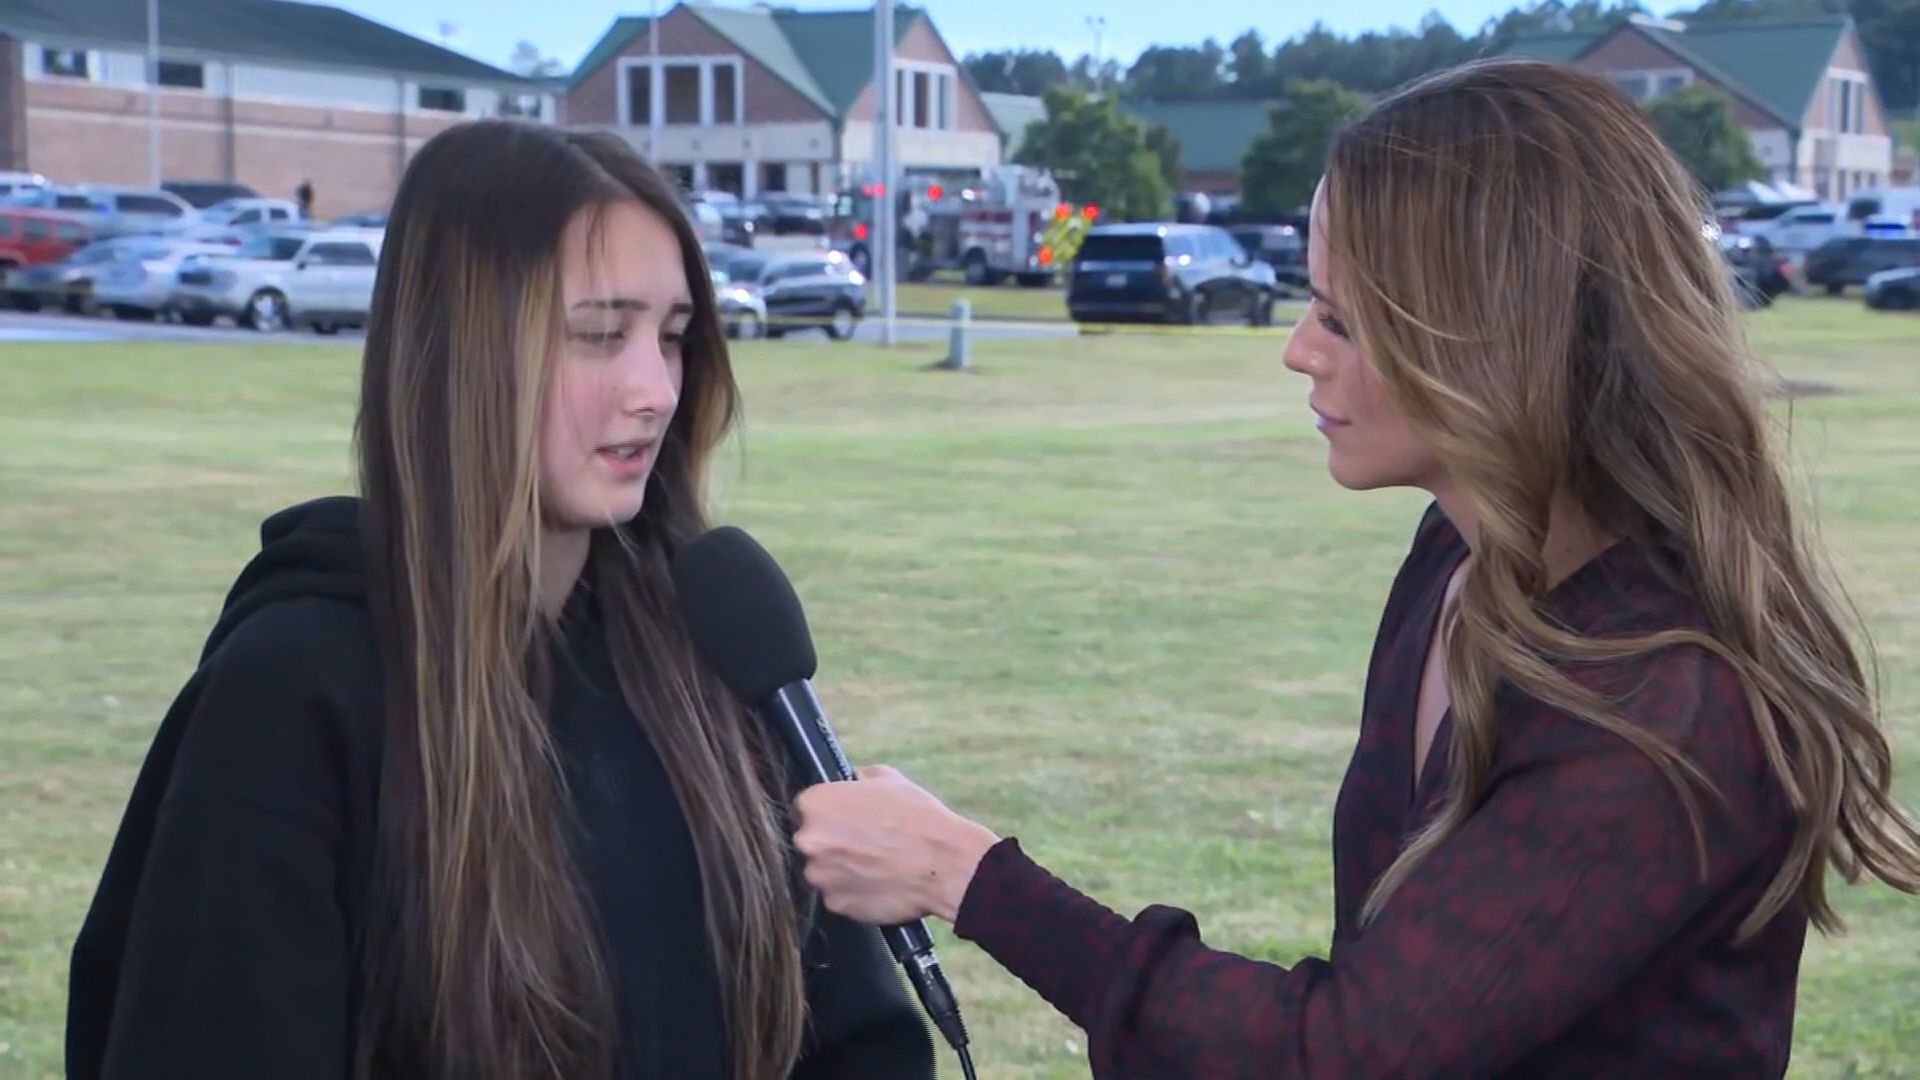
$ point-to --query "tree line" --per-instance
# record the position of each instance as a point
(1101, 154)
(1248, 68)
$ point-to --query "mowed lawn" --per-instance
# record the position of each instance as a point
(1098, 593)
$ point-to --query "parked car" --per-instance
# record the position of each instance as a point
(138, 283)
(1886, 211)
(20, 184)
(1851, 260)
(736, 227)
(365, 219)
(235, 220)
(1170, 273)
(1800, 229)
(66, 285)
(1895, 290)
(790, 213)
(114, 211)
(804, 291)
(250, 284)
(201, 194)
(36, 237)
(331, 285)
(743, 309)
(1759, 273)
(1279, 246)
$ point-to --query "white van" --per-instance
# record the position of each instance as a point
(1885, 212)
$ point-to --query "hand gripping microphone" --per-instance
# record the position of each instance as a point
(747, 623)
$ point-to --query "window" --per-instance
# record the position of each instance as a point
(924, 97)
(922, 100)
(639, 93)
(246, 217)
(443, 99)
(726, 94)
(341, 254)
(70, 231)
(272, 248)
(773, 176)
(1672, 82)
(36, 229)
(183, 75)
(74, 202)
(1634, 86)
(683, 93)
(146, 204)
(6, 226)
(66, 63)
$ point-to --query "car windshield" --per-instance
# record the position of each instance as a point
(745, 269)
(271, 248)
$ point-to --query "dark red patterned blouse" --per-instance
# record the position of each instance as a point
(1565, 930)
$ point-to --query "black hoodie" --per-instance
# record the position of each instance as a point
(220, 940)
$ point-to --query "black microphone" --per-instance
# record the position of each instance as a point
(747, 622)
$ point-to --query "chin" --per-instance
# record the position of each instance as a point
(599, 510)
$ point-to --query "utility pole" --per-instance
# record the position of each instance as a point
(886, 218)
(153, 93)
(1098, 23)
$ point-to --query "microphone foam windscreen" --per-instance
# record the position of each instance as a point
(743, 614)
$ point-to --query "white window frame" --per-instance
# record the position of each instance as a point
(710, 69)
(1838, 79)
(96, 60)
(1653, 77)
(201, 89)
(944, 114)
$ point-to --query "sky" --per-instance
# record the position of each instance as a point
(566, 29)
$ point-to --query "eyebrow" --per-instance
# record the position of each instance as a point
(631, 303)
(1320, 296)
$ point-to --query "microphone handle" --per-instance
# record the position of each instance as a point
(795, 712)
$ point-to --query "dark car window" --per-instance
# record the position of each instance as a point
(1121, 248)
(339, 254)
(272, 248)
(72, 202)
(68, 230)
(38, 229)
(6, 226)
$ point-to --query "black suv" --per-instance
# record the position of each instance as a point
(1168, 273)
(1851, 260)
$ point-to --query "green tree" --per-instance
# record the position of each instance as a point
(1283, 165)
(1016, 71)
(1098, 154)
(1698, 126)
(1166, 150)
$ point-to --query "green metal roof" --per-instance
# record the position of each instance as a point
(624, 31)
(1777, 66)
(269, 30)
(1214, 136)
(1012, 113)
(827, 56)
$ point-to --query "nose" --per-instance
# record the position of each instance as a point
(1303, 354)
(650, 378)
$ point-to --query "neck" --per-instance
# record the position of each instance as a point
(563, 555)
(1573, 537)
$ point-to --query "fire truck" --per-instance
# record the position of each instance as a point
(1011, 222)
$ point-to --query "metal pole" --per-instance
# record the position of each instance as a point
(656, 87)
(153, 93)
(887, 216)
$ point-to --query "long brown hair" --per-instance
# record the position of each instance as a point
(1526, 264)
(484, 958)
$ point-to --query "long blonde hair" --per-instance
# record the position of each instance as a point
(1524, 261)
(485, 959)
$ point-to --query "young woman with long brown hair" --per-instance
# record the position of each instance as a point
(450, 794)
(1614, 736)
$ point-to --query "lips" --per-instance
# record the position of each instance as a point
(1326, 419)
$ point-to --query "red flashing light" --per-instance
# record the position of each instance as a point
(1092, 213)
(860, 231)
(1062, 212)
(1046, 256)
(936, 192)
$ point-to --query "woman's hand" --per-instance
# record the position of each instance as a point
(883, 851)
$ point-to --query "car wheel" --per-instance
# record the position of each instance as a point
(1199, 311)
(843, 323)
(976, 268)
(326, 328)
(266, 312)
(1261, 314)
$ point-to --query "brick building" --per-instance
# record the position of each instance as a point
(756, 99)
(262, 92)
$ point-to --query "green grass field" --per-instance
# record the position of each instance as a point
(1099, 593)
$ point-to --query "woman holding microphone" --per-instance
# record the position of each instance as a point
(1614, 736)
